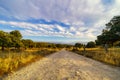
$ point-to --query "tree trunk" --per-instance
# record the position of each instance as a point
(84, 49)
(3, 48)
(106, 48)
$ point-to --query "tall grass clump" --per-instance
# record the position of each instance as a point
(111, 57)
(11, 61)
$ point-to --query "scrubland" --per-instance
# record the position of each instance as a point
(111, 57)
(11, 61)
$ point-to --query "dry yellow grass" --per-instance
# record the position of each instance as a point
(11, 61)
(111, 57)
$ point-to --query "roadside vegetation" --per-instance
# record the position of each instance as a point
(112, 57)
(16, 52)
(13, 60)
(107, 46)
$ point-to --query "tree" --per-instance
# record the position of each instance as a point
(16, 34)
(28, 43)
(115, 21)
(5, 39)
(51, 45)
(98, 42)
(16, 38)
(112, 32)
(108, 38)
(90, 44)
(60, 45)
(69, 46)
(114, 28)
(78, 45)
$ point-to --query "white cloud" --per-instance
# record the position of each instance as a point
(38, 29)
(30, 29)
(60, 28)
(56, 10)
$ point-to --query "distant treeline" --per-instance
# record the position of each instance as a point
(13, 40)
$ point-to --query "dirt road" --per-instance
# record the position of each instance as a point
(66, 65)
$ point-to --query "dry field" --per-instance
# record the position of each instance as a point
(13, 60)
(111, 57)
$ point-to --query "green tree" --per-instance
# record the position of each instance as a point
(5, 39)
(16, 37)
(16, 34)
(60, 45)
(112, 32)
(114, 25)
(91, 44)
(28, 43)
(51, 45)
(113, 28)
(78, 45)
(97, 42)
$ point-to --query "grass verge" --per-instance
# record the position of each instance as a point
(112, 57)
(12, 61)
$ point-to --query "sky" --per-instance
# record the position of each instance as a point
(60, 21)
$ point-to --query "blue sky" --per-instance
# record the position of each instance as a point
(63, 21)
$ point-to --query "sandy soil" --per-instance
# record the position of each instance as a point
(65, 65)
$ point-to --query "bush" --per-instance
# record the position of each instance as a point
(90, 45)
